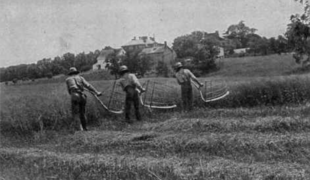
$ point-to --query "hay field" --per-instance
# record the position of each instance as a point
(261, 131)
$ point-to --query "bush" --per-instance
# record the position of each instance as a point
(14, 81)
(49, 75)
(86, 68)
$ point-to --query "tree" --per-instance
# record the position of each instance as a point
(144, 64)
(282, 45)
(45, 67)
(239, 32)
(258, 45)
(113, 64)
(298, 34)
(33, 71)
(185, 46)
(205, 55)
(202, 49)
(137, 63)
(273, 45)
(162, 69)
(68, 60)
(254, 42)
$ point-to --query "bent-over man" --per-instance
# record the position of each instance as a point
(75, 85)
(184, 77)
(130, 84)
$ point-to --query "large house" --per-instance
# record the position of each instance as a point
(102, 59)
(159, 53)
(144, 46)
(221, 53)
(148, 47)
(138, 44)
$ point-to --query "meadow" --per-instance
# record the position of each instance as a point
(260, 131)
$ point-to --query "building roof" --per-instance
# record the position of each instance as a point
(153, 50)
(141, 41)
(120, 52)
(104, 54)
(215, 35)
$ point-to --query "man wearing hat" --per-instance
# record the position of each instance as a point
(76, 84)
(184, 78)
(131, 85)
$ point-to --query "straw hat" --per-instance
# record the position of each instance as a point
(123, 68)
(73, 70)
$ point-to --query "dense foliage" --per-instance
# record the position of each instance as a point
(241, 36)
(198, 47)
(134, 61)
(298, 33)
(49, 67)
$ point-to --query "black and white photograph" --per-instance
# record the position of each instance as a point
(155, 90)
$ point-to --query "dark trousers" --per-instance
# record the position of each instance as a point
(78, 104)
(132, 97)
(187, 96)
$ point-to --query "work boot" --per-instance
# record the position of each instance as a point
(138, 116)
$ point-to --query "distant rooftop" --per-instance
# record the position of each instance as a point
(152, 50)
(108, 51)
(141, 41)
(104, 54)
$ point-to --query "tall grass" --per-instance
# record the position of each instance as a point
(267, 92)
(47, 106)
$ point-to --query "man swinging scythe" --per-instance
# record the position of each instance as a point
(75, 85)
(184, 78)
(130, 84)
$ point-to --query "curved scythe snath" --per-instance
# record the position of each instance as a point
(215, 95)
(107, 107)
(158, 106)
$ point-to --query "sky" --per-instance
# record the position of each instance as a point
(31, 30)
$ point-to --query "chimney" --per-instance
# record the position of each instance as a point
(134, 38)
(217, 33)
(165, 44)
(144, 38)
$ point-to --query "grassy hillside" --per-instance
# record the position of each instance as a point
(258, 66)
(260, 131)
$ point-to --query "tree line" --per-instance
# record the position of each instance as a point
(47, 68)
(241, 36)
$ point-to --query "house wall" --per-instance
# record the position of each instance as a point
(101, 64)
(242, 50)
(167, 56)
(221, 53)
